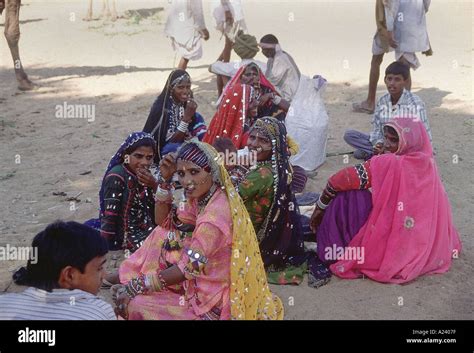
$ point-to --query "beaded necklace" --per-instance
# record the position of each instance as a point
(203, 202)
(176, 114)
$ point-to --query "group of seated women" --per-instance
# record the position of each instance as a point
(211, 253)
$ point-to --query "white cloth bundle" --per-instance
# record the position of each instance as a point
(307, 123)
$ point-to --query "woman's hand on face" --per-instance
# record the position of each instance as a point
(191, 107)
(316, 219)
(168, 166)
(146, 178)
(378, 148)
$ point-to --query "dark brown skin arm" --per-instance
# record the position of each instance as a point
(284, 105)
(189, 112)
(318, 214)
(177, 137)
(167, 169)
(172, 275)
(162, 210)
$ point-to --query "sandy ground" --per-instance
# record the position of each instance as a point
(119, 68)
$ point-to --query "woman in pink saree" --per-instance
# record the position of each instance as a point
(202, 261)
(409, 231)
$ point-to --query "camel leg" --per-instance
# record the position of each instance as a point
(89, 12)
(12, 34)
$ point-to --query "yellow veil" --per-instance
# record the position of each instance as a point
(250, 296)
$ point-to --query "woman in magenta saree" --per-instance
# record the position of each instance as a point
(409, 231)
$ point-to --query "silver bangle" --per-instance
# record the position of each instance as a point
(183, 127)
(321, 205)
(163, 195)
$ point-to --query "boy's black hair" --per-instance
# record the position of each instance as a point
(398, 68)
(61, 244)
(269, 39)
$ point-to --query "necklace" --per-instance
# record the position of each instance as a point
(176, 114)
(259, 164)
(203, 202)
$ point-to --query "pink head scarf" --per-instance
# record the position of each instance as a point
(410, 231)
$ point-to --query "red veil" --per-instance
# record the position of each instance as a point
(232, 113)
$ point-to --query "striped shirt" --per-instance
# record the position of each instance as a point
(408, 105)
(60, 304)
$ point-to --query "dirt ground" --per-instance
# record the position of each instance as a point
(119, 68)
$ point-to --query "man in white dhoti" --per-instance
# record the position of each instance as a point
(282, 70)
(401, 26)
(185, 27)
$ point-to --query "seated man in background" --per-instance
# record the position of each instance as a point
(282, 70)
(398, 102)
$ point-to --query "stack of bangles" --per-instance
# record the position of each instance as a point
(328, 194)
(183, 126)
(163, 193)
(144, 284)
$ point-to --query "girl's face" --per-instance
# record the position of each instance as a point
(260, 144)
(390, 143)
(141, 158)
(250, 76)
(195, 180)
(182, 92)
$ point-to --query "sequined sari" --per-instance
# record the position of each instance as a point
(220, 259)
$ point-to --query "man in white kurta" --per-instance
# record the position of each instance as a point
(282, 70)
(407, 20)
(401, 26)
(185, 27)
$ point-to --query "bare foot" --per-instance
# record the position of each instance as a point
(363, 107)
(26, 85)
(113, 17)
